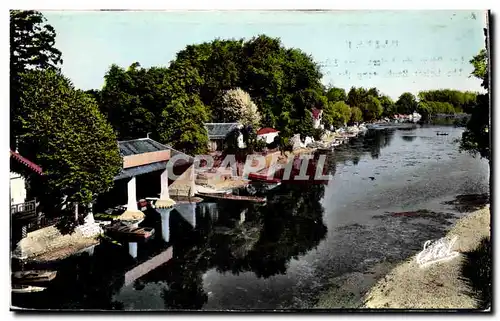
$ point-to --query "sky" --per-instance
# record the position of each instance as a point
(395, 51)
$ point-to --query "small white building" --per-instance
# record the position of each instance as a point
(267, 134)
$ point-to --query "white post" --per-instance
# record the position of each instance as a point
(165, 201)
(132, 197)
(164, 195)
(132, 213)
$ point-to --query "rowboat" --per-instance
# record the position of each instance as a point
(27, 289)
(231, 197)
(129, 233)
(33, 277)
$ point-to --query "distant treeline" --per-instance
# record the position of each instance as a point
(284, 83)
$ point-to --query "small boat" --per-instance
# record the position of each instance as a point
(231, 197)
(129, 233)
(33, 277)
(442, 134)
(27, 289)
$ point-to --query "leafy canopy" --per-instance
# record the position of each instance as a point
(67, 135)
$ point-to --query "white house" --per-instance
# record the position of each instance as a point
(17, 181)
(267, 134)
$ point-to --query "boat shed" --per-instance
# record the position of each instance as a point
(144, 155)
(218, 132)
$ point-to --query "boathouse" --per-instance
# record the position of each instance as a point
(219, 132)
(145, 175)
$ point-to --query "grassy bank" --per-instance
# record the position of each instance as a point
(462, 282)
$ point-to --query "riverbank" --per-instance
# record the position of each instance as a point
(48, 244)
(406, 285)
(440, 285)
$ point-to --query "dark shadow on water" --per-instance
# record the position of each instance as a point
(469, 202)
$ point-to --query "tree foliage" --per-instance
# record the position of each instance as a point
(460, 101)
(356, 115)
(476, 137)
(67, 135)
(336, 114)
(236, 105)
(31, 47)
(334, 94)
(406, 103)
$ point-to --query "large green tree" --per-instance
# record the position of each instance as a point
(476, 137)
(133, 99)
(31, 47)
(66, 134)
(356, 115)
(406, 104)
(336, 114)
(335, 94)
(388, 106)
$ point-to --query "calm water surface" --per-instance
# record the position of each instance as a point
(284, 254)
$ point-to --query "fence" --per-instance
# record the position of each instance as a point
(26, 207)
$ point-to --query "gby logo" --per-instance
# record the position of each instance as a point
(436, 251)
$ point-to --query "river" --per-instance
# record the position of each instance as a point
(307, 240)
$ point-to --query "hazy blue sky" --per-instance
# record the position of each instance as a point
(395, 51)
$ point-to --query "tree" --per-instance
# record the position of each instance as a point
(31, 47)
(476, 137)
(356, 96)
(337, 114)
(236, 105)
(388, 106)
(67, 135)
(133, 100)
(336, 94)
(356, 115)
(371, 108)
(182, 125)
(406, 104)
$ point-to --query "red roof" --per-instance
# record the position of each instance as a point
(267, 130)
(316, 112)
(34, 167)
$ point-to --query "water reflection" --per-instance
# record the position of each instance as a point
(132, 249)
(371, 143)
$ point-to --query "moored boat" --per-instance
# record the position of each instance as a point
(231, 197)
(33, 277)
(129, 233)
(27, 289)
